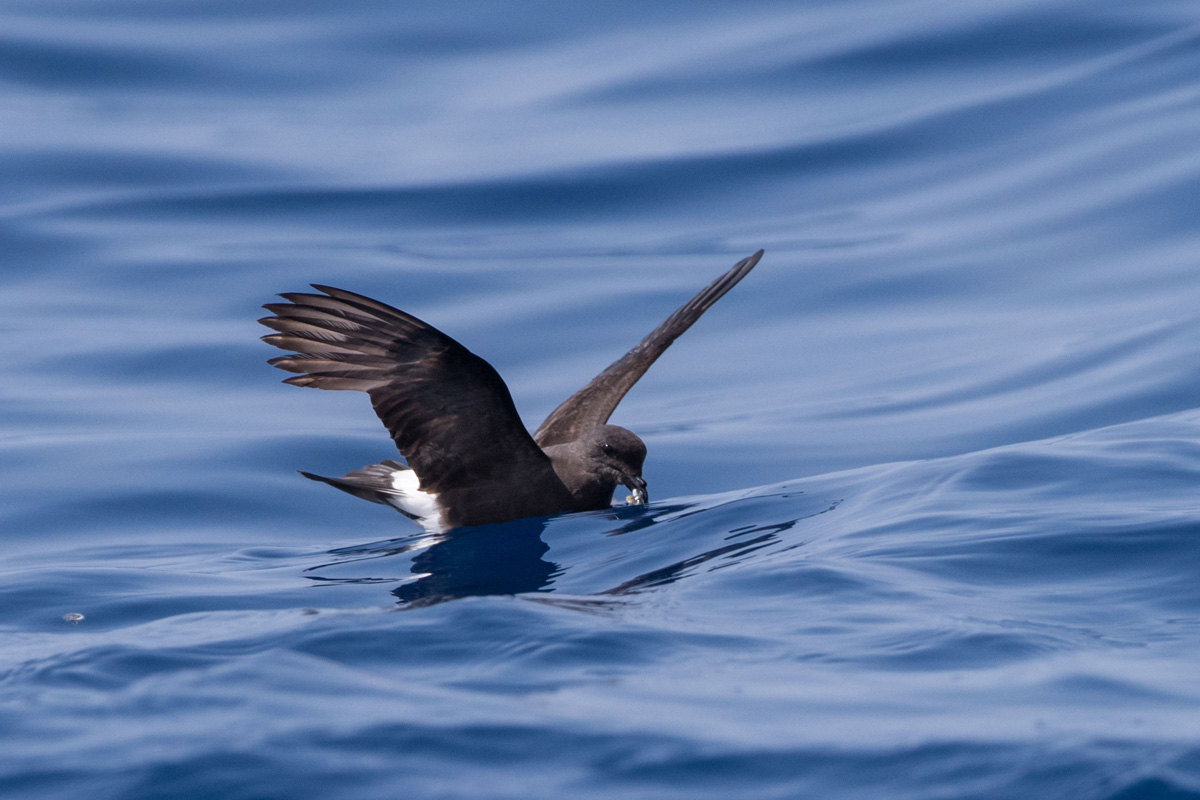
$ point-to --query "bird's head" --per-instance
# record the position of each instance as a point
(618, 454)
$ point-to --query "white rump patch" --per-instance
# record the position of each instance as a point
(409, 498)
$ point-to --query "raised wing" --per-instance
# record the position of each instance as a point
(593, 404)
(447, 409)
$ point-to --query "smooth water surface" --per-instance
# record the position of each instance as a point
(926, 485)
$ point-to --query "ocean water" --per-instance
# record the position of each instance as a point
(925, 516)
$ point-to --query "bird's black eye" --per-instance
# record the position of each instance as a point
(606, 448)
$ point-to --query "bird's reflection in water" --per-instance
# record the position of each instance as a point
(483, 560)
(502, 559)
(509, 559)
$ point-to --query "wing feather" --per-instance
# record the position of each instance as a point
(447, 409)
(593, 404)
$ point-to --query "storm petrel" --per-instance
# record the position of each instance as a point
(470, 459)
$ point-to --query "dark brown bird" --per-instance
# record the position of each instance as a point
(470, 459)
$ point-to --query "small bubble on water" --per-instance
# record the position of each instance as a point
(74, 617)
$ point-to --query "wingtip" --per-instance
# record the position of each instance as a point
(741, 268)
(730, 279)
(343, 294)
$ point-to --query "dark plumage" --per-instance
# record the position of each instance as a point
(470, 459)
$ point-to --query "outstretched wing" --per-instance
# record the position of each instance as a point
(446, 408)
(593, 404)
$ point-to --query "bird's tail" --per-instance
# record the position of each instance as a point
(373, 482)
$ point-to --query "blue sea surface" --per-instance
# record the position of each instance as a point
(925, 516)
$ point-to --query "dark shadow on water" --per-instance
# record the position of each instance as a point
(509, 558)
(484, 560)
(501, 559)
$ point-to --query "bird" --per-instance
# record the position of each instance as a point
(470, 459)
